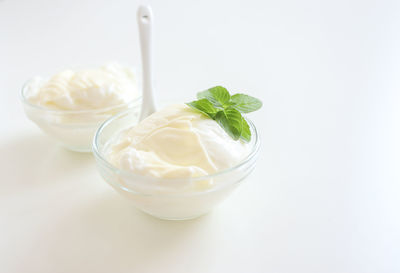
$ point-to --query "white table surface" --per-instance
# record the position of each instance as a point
(325, 196)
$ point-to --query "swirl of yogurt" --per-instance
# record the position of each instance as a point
(87, 89)
(176, 142)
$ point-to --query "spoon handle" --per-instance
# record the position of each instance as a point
(145, 22)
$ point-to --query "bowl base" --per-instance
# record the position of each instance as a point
(176, 218)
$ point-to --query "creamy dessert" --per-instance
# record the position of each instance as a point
(86, 89)
(176, 142)
(183, 160)
(72, 104)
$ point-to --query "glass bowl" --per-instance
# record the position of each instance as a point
(72, 129)
(169, 199)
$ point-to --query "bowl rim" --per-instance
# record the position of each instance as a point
(105, 163)
(25, 100)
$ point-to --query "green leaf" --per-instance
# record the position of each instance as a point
(246, 134)
(217, 95)
(230, 120)
(244, 103)
(220, 106)
(204, 106)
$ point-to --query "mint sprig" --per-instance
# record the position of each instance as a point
(231, 120)
(217, 95)
(219, 105)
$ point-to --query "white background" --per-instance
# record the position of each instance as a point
(325, 196)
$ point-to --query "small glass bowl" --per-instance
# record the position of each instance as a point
(72, 129)
(170, 199)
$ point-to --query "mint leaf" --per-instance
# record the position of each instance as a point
(230, 120)
(204, 106)
(217, 95)
(245, 103)
(225, 109)
(246, 134)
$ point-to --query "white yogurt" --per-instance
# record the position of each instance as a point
(176, 142)
(87, 89)
(71, 105)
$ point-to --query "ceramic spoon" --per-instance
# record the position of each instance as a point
(145, 21)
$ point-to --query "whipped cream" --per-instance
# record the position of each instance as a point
(176, 142)
(98, 88)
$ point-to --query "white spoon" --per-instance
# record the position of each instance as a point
(145, 21)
